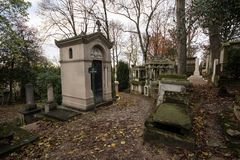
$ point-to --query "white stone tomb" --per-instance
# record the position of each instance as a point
(77, 55)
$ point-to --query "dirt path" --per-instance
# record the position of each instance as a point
(114, 132)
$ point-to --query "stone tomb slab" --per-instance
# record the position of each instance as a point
(19, 137)
(170, 124)
(172, 114)
(61, 114)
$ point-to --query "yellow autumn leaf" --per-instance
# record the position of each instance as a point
(113, 145)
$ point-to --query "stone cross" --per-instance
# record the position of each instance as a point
(196, 71)
(98, 25)
(50, 93)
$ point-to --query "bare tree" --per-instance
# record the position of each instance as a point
(132, 49)
(99, 12)
(116, 33)
(181, 36)
(141, 14)
(192, 28)
(65, 17)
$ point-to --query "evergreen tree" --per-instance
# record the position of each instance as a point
(123, 75)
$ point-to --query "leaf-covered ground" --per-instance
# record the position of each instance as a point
(116, 132)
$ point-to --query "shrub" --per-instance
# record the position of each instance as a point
(123, 75)
(50, 74)
(233, 62)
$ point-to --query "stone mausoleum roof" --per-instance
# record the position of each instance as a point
(84, 38)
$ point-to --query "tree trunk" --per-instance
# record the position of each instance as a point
(106, 19)
(181, 36)
(215, 44)
(114, 64)
(189, 43)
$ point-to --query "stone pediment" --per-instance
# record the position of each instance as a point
(82, 38)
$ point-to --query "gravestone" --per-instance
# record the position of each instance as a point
(196, 71)
(50, 105)
(116, 88)
(170, 85)
(77, 55)
(214, 76)
(171, 123)
(30, 104)
(27, 115)
(196, 78)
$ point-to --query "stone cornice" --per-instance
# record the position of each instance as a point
(83, 39)
(79, 60)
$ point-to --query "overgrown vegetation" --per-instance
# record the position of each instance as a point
(44, 76)
(233, 62)
(21, 59)
(123, 75)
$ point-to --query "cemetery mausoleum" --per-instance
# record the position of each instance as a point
(85, 70)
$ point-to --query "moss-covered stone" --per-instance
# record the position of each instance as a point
(176, 97)
(20, 138)
(175, 81)
(173, 76)
(237, 99)
(231, 129)
(142, 83)
(172, 114)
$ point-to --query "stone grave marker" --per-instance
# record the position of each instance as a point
(50, 105)
(27, 115)
(214, 76)
(196, 78)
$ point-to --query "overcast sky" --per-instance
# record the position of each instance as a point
(50, 50)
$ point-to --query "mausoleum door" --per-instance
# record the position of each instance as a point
(97, 64)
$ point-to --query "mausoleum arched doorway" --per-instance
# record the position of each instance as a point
(97, 56)
(97, 64)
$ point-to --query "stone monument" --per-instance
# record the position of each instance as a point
(196, 78)
(50, 105)
(78, 55)
(27, 115)
(30, 104)
(214, 76)
(116, 88)
(196, 71)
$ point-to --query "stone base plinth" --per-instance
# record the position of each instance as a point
(197, 80)
(28, 116)
(50, 106)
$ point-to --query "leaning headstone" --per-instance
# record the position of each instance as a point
(50, 105)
